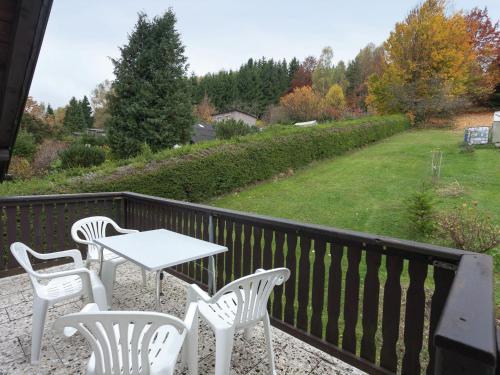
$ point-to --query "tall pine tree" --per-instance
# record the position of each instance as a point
(87, 112)
(151, 101)
(74, 119)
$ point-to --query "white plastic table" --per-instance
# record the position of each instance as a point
(157, 249)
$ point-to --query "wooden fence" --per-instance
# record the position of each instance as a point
(374, 302)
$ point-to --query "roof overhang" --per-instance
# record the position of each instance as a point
(22, 27)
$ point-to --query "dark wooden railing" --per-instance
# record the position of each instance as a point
(377, 303)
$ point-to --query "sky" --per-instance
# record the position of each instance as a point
(82, 36)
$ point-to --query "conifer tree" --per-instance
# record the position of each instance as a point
(87, 112)
(151, 100)
(74, 119)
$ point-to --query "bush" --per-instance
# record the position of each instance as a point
(47, 153)
(204, 171)
(469, 229)
(91, 139)
(25, 146)
(79, 155)
(228, 129)
(20, 168)
(421, 213)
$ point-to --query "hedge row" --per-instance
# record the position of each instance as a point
(228, 166)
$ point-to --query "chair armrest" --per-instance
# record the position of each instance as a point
(75, 254)
(195, 293)
(76, 271)
(123, 230)
(191, 315)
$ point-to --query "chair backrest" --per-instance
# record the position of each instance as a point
(121, 340)
(252, 293)
(84, 231)
(20, 252)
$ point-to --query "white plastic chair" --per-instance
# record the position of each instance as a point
(239, 305)
(61, 285)
(132, 342)
(92, 228)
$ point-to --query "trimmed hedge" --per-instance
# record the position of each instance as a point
(80, 155)
(227, 166)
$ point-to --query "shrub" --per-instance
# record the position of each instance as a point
(228, 129)
(469, 229)
(421, 213)
(79, 155)
(47, 152)
(202, 171)
(25, 146)
(91, 139)
(20, 168)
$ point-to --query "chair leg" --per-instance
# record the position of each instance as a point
(99, 296)
(190, 349)
(40, 308)
(224, 340)
(247, 334)
(269, 342)
(144, 278)
(108, 279)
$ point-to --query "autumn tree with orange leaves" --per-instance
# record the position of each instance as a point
(429, 60)
(485, 41)
(303, 104)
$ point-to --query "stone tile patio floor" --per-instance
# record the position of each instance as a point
(61, 355)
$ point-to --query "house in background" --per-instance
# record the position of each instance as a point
(202, 132)
(237, 115)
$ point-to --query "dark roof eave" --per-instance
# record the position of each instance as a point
(28, 31)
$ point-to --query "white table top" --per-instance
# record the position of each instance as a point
(159, 248)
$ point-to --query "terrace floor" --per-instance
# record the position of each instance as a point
(61, 355)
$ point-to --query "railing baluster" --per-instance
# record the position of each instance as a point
(11, 232)
(25, 225)
(414, 317)
(257, 249)
(220, 232)
(351, 301)
(391, 313)
(205, 261)
(318, 288)
(291, 263)
(4, 248)
(237, 252)
(228, 255)
(267, 254)
(247, 249)
(303, 286)
(371, 292)
(49, 226)
(279, 261)
(334, 293)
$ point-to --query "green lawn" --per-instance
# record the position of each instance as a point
(365, 190)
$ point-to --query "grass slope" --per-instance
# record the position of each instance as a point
(365, 190)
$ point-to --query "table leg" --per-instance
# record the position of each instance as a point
(159, 278)
(212, 277)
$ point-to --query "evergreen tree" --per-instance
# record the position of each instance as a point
(293, 67)
(151, 101)
(87, 112)
(74, 119)
(49, 111)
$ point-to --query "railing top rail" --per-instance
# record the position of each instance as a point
(56, 197)
(434, 251)
(467, 324)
